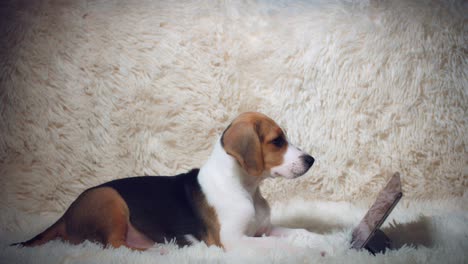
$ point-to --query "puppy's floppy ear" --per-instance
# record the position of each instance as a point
(242, 141)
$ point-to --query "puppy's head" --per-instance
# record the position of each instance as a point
(260, 146)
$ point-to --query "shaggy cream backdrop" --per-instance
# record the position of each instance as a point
(96, 90)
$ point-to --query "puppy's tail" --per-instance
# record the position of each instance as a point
(54, 231)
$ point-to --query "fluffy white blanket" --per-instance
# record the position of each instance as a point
(422, 232)
(96, 90)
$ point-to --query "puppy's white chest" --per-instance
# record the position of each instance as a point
(239, 206)
(248, 220)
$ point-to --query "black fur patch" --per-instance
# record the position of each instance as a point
(162, 207)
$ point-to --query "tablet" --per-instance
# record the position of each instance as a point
(367, 234)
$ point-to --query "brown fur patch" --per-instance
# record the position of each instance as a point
(249, 139)
(242, 142)
(210, 218)
(98, 214)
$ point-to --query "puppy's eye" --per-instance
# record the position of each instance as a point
(278, 142)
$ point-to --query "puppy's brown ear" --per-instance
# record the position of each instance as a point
(241, 141)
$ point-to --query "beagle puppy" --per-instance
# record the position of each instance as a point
(219, 204)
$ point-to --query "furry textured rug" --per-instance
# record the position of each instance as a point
(423, 232)
(96, 90)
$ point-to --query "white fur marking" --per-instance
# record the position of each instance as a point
(293, 166)
(235, 196)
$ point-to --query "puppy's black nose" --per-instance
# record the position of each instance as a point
(309, 160)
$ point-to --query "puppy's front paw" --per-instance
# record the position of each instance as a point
(159, 250)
